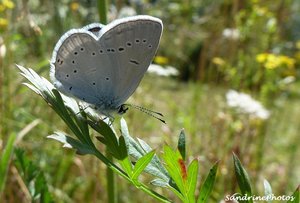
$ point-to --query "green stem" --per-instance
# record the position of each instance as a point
(102, 11)
(120, 172)
(110, 179)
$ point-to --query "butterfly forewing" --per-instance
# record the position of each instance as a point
(134, 47)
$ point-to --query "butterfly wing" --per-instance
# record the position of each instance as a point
(72, 66)
(131, 43)
(103, 65)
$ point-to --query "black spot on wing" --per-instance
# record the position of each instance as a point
(135, 62)
(95, 29)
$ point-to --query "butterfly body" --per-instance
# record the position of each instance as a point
(104, 64)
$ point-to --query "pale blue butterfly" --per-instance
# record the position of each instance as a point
(104, 64)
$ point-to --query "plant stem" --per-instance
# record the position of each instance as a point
(110, 181)
(102, 11)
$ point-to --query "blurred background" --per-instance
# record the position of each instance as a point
(227, 71)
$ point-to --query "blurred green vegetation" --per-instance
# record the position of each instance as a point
(250, 46)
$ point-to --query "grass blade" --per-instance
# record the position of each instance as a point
(5, 158)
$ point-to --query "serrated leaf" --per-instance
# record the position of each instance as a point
(208, 184)
(109, 136)
(242, 178)
(181, 144)
(295, 196)
(70, 142)
(136, 150)
(144, 145)
(268, 190)
(192, 179)
(62, 104)
(174, 168)
(141, 164)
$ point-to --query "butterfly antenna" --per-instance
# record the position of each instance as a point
(151, 113)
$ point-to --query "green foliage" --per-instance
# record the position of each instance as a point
(5, 161)
(252, 62)
(208, 184)
(245, 186)
(242, 178)
(296, 196)
(33, 178)
(181, 144)
(185, 177)
(177, 177)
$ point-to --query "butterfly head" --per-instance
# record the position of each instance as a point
(122, 109)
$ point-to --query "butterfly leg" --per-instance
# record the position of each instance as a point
(81, 109)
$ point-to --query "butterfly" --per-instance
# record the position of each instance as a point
(103, 65)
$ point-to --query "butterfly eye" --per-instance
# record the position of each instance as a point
(144, 40)
(121, 49)
(75, 53)
(129, 44)
(137, 41)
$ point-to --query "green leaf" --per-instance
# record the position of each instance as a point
(109, 136)
(122, 148)
(295, 196)
(208, 184)
(139, 149)
(141, 164)
(70, 142)
(123, 157)
(181, 144)
(159, 182)
(175, 167)
(4, 160)
(268, 190)
(192, 179)
(242, 178)
(33, 178)
(60, 103)
(81, 121)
